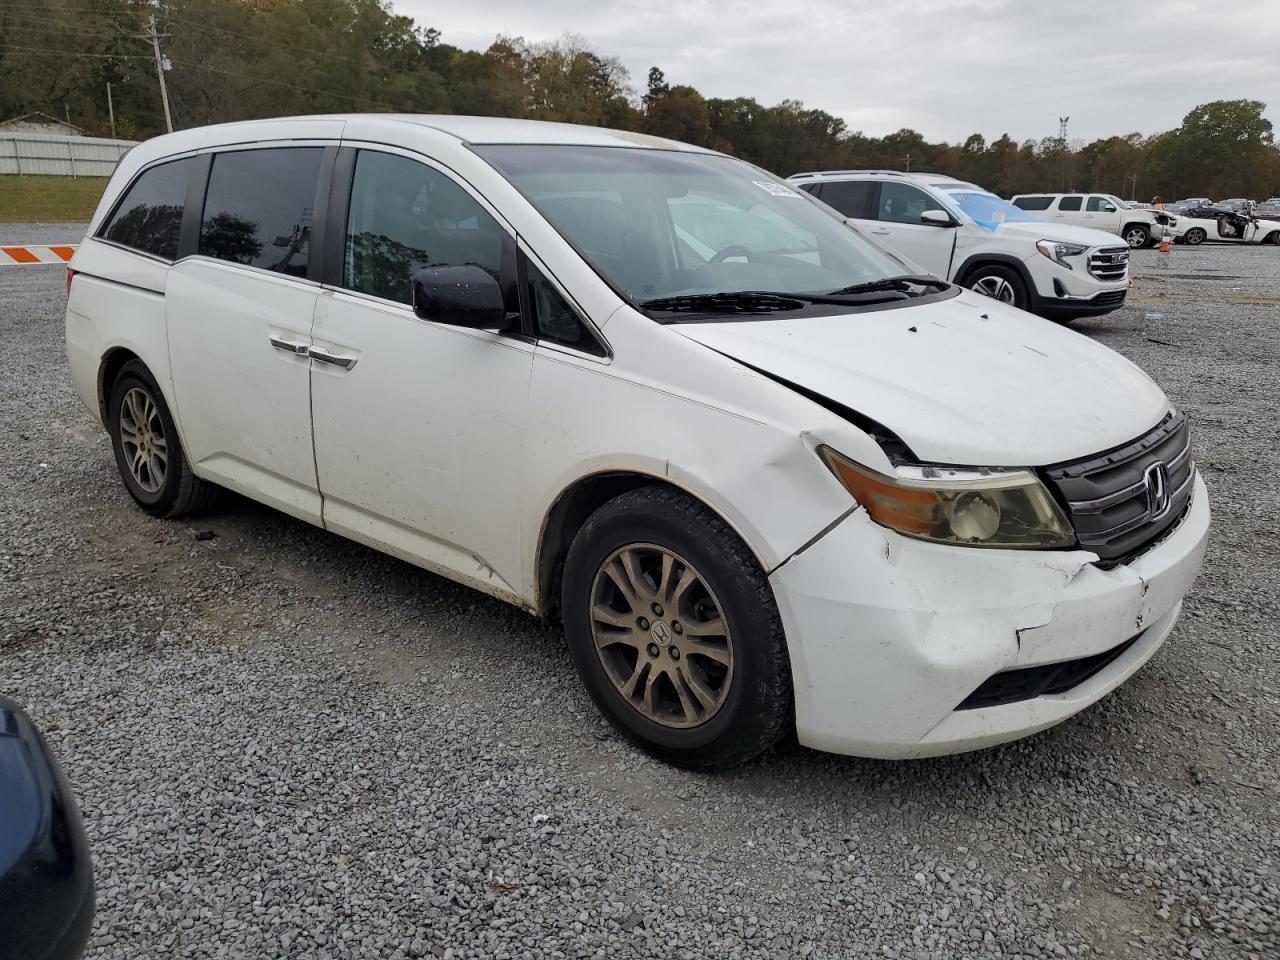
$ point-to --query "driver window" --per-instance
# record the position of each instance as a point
(406, 216)
(901, 203)
(1100, 205)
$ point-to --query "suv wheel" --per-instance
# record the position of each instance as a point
(1137, 236)
(674, 630)
(148, 453)
(999, 283)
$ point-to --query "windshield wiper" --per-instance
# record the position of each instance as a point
(739, 301)
(902, 283)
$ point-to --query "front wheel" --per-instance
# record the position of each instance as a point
(675, 632)
(1137, 236)
(1195, 236)
(999, 283)
(148, 453)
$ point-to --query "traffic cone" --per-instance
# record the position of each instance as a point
(1164, 245)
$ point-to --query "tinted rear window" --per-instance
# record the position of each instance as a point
(1033, 203)
(258, 208)
(149, 216)
(1069, 203)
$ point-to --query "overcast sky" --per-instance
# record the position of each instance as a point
(947, 68)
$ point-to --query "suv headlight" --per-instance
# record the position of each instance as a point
(1057, 251)
(964, 506)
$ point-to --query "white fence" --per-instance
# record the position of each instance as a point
(44, 153)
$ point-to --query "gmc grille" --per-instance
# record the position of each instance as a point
(1109, 263)
(1110, 495)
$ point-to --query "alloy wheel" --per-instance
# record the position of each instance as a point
(146, 450)
(661, 636)
(1136, 238)
(997, 288)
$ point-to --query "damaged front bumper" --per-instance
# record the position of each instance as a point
(889, 636)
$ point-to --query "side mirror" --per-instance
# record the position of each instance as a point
(463, 296)
(46, 880)
(937, 218)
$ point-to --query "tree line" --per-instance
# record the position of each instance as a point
(244, 59)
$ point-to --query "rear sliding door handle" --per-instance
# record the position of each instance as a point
(296, 347)
(346, 363)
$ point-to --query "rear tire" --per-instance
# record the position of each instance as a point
(674, 630)
(999, 283)
(148, 452)
(1195, 236)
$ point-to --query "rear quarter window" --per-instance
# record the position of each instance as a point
(149, 215)
(1033, 203)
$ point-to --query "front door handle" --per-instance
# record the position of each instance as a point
(346, 363)
(296, 347)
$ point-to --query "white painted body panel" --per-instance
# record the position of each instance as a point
(243, 405)
(890, 652)
(450, 447)
(975, 382)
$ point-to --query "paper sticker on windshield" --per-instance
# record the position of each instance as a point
(997, 216)
(777, 189)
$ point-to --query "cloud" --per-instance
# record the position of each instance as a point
(947, 68)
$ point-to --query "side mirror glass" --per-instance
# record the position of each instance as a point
(463, 296)
(937, 218)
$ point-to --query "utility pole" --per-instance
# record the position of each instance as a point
(908, 158)
(111, 111)
(1062, 138)
(160, 68)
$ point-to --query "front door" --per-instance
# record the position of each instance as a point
(897, 223)
(239, 317)
(419, 426)
(1101, 214)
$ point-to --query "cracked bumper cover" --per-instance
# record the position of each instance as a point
(887, 634)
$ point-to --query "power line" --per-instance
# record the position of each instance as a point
(63, 53)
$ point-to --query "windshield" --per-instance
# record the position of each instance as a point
(661, 224)
(989, 211)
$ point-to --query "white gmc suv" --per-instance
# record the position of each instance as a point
(965, 234)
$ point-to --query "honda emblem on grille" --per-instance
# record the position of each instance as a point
(1156, 481)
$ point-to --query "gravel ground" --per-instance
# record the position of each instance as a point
(287, 745)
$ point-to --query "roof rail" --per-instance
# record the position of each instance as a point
(840, 173)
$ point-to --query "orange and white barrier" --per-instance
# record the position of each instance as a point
(29, 253)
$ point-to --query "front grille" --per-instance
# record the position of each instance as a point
(1114, 498)
(1109, 263)
(1048, 679)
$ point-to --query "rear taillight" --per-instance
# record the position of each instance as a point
(71, 275)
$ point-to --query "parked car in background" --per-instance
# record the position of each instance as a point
(768, 476)
(1214, 222)
(1195, 202)
(46, 878)
(1268, 210)
(1237, 205)
(961, 232)
(1139, 227)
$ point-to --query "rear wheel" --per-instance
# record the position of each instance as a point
(1195, 236)
(1137, 236)
(674, 630)
(999, 283)
(148, 453)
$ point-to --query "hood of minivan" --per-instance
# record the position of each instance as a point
(1062, 232)
(964, 380)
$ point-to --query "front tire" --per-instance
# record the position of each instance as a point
(674, 630)
(1195, 236)
(148, 452)
(1136, 236)
(999, 283)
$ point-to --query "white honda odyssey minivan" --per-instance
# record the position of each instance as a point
(768, 478)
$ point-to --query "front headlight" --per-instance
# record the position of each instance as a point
(974, 507)
(1058, 252)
